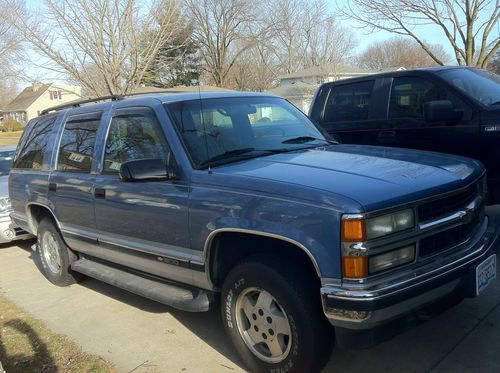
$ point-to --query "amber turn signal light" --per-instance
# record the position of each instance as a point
(355, 266)
(353, 230)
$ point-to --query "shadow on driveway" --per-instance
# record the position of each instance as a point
(40, 361)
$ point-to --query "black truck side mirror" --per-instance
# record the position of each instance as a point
(440, 111)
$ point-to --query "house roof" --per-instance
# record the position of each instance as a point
(295, 89)
(26, 98)
(328, 69)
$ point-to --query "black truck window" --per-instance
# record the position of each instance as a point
(33, 145)
(349, 102)
(77, 143)
(408, 95)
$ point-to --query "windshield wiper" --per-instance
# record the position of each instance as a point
(228, 154)
(303, 139)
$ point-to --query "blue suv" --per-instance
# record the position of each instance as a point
(238, 198)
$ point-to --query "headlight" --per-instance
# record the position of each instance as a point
(391, 259)
(5, 205)
(390, 223)
(355, 228)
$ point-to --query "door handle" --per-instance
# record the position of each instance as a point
(387, 135)
(100, 193)
(52, 187)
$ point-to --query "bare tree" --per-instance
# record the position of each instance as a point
(469, 26)
(256, 70)
(224, 29)
(305, 33)
(98, 43)
(398, 52)
(495, 63)
(10, 45)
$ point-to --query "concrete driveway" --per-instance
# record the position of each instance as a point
(143, 336)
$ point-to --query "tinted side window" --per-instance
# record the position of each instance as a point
(134, 134)
(349, 102)
(408, 95)
(33, 145)
(77, 142)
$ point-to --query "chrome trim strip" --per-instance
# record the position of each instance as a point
(212, 234)
(457, 216)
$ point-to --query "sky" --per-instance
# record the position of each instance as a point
(365, 38)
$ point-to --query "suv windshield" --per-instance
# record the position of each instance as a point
(481, 85)
(226, 129)
(6, 158)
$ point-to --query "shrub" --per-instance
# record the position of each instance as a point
(9, 125)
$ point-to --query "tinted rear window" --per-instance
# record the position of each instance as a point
(349, 102)
(33, 145)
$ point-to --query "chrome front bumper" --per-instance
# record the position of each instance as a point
(367, 305)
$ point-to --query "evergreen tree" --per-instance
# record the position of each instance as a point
(177, 62)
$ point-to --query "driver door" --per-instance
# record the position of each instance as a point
(142, 224)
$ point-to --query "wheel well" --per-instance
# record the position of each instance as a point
(228, 249)
(36, 213)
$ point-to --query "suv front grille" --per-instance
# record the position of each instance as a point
(447, 239)
(447, 205)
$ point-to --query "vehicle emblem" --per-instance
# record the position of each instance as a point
(491, 128)
(467, 215)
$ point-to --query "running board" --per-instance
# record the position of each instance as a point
(171, 295)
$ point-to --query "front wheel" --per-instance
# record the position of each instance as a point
(273, 317)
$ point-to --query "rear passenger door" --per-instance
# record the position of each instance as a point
(353, 112)
(406, 116)
(142, 224)
(71, 183)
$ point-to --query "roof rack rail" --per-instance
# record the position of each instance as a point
(98, 99)
(82, 102)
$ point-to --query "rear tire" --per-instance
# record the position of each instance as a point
(55, 257)
(274, 318)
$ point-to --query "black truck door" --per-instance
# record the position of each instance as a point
(354, 111)
(407, 117)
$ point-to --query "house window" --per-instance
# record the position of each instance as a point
(55, 95)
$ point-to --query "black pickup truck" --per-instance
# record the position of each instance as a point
(447, 109)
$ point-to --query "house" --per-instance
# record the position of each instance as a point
(299, 87)
(37, 97)
(298, 93)
(329, 73)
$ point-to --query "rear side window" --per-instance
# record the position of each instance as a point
(33, 145)
(134, 134)
(77, 142)
(349, 102)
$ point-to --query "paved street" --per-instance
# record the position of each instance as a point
(143, 336)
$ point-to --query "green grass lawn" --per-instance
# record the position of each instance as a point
(27, 345)
(10, 138)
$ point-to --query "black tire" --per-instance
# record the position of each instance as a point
(62, 276)
(295, 297)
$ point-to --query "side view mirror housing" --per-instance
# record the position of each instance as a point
(146, 170)
(440, 111)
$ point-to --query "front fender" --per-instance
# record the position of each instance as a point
(314, 229)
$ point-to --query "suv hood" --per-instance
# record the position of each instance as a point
(374, 177)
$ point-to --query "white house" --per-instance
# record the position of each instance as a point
(36, 98)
